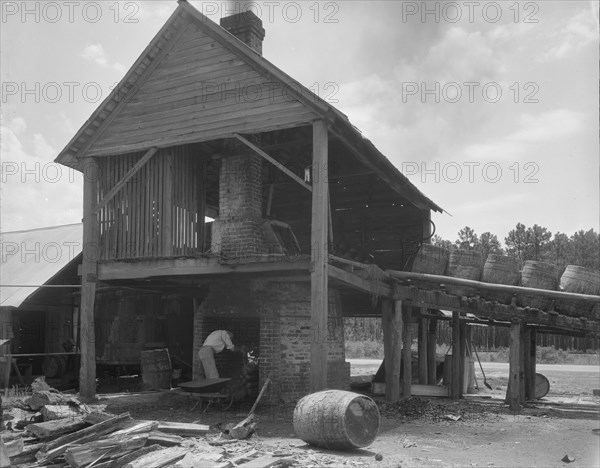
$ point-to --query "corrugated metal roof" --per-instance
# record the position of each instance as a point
(35, 257)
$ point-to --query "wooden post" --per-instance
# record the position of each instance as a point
(431, 352)
(392, 346)
(463, 354)
(456, 376)
(513, 393)
(319, 258)
(465, 341)
(89, 270)
(523, 352)
(167, 228)
(530, 357)
(406, 353)
(423, 330)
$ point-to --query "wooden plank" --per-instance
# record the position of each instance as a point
(264, 462)
(91, 243)
(406, 352)
(57, 447)
(119, 185)
(183, 429)
(455, 388)
(513, 394)
(319, 261)
(423, 361)
(273, 161)
(431, 352)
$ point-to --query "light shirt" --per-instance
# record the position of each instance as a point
(218, 340)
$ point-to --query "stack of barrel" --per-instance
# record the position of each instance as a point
(502, 269)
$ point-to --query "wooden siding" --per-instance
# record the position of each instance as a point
(200, 91)
(157, 213)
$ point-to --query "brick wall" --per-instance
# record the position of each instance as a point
(283, 310)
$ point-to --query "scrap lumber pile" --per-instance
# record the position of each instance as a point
(53, 429)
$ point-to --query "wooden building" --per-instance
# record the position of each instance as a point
(201, 126)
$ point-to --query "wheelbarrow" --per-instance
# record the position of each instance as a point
(213, 391)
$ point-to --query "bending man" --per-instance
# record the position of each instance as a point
(216, 342)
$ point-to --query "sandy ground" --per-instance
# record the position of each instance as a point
(487, 435)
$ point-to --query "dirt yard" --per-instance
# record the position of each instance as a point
(414, 433)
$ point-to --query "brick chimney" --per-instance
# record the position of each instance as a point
(237, 232)
(247, 27)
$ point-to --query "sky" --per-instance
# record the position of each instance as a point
(489, 108)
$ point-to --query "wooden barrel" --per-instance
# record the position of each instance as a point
(466, 264)
(542, 386)
(431, 259)
(500, 269)
(156, 369)
(336, 420)
(577, 279)
(54, 366)
(539, 275)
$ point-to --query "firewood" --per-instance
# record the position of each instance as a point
(167, 440)
(158, 459)
(266, 462)
(46, 397)
(137, 427)
(236, 460)
(13, 447)
(54, 428)
(127, 458)
(106, 448)
(27, 455)
(183, 429)
(57, 447)
(52, 412)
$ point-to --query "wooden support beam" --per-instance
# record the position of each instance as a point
(319, 260)
(358, 282)
(126, 178)
(91, 252)
(466, 343)
(439, 279)
(523, 351)
(431, 351)
(392, 346)
(167, 205)
(463, 354)
(423, 358)
(406, 352)
(498, 312)
(456, 384)
(513, 395)
(280, 166)
(530, 358)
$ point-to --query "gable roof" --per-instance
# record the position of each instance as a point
(35, 257)
(96, 137)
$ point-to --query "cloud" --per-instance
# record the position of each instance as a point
(97, 54)
(580, 30)
(533, 132)
(34, 190)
